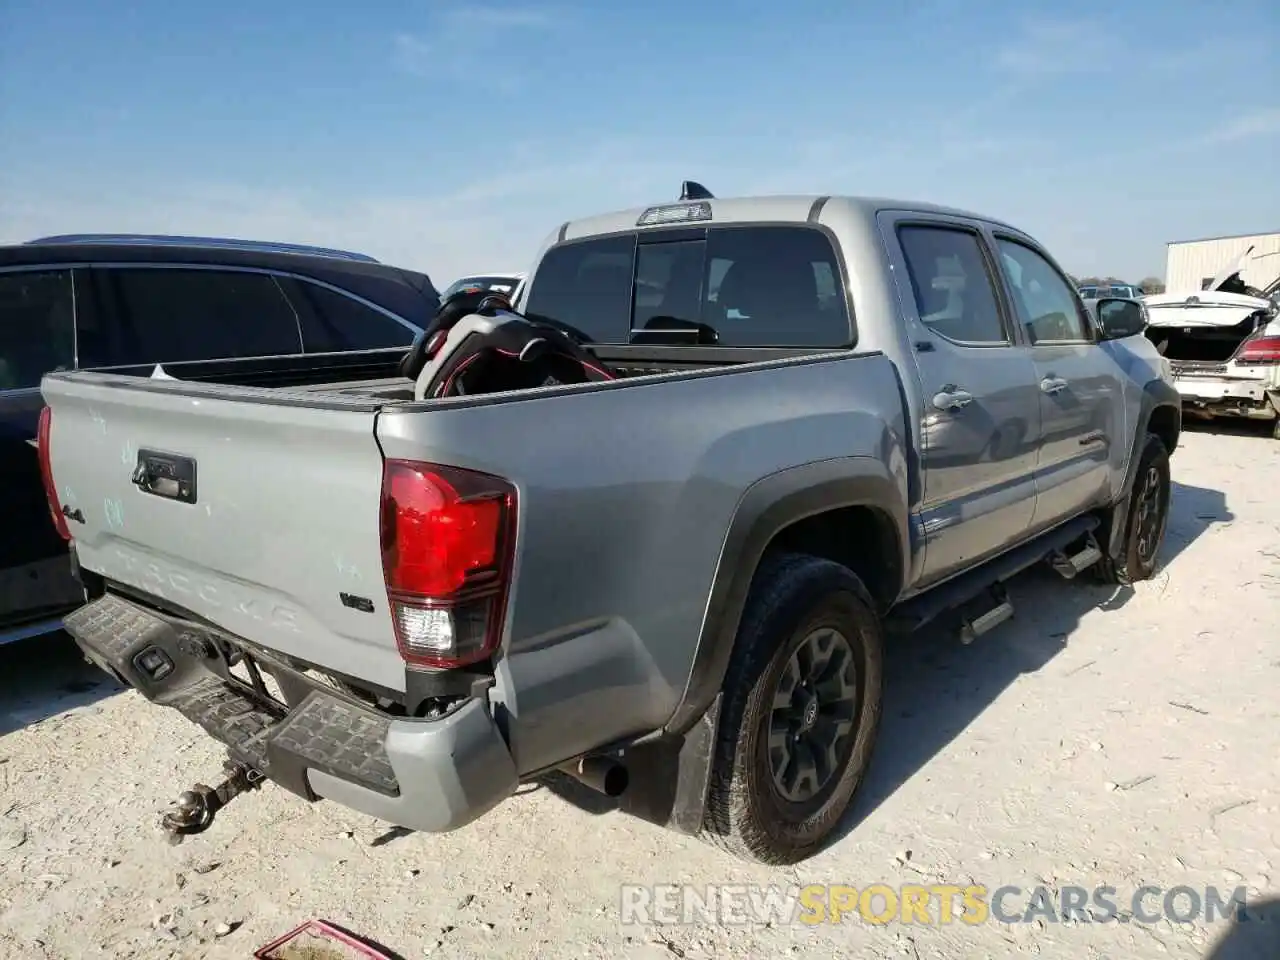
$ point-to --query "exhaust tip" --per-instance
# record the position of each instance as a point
(602, 774)
(616, 780)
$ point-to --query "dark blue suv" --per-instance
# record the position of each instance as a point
(129, 302)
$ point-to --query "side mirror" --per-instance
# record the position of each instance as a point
(1119, 318)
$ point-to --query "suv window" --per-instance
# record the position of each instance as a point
(1044, 302)
(587, 286)
(37, 326)
(951, 284)
(169, 315)
(338, 322)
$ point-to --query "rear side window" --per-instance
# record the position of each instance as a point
(587, 286)
(338, 322)
(951, 284)
(754, 286)
(172, 315)
(37, 326)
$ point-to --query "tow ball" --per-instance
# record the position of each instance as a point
(195, 809)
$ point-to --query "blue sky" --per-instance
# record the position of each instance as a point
(453, 136)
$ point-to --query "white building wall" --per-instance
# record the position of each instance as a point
(1191, 262)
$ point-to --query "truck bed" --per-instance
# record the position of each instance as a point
(283, 521)
(299, 370)
(374, 374)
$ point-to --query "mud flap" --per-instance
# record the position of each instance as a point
(669, 777)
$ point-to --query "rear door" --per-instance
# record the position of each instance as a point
(1079, 388)
(155, 313)
(981, 423)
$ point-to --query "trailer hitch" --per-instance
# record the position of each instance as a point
(195, 808)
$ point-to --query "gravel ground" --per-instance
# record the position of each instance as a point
(1102, 737)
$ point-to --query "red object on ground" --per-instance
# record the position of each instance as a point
(331, 941)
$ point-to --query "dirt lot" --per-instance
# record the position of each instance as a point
(1101, 738)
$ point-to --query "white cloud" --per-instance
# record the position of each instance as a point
(462, 19)
(1050, 47)
(961, 149)
(442, 237)
(447, 46)
(1247, 126)
(495, 221)
(411, 54)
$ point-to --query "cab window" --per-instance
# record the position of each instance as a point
(1045, 304)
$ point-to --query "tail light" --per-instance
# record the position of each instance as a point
(1260, 350)
(43, 433)
(448, 536)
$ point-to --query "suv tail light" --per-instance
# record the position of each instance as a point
(448, 537)
(43, 433)
(1260, 350)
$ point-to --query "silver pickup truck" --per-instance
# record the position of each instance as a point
(834, 418)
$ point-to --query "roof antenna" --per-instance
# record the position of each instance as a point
(693, 190)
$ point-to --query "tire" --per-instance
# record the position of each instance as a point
(1144, 532)
(798, 606)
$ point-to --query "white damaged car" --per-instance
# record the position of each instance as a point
(1223, 345)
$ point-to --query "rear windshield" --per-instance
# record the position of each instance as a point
(748, 286)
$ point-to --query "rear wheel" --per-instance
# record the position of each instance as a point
(1147, 520)
(801, 708)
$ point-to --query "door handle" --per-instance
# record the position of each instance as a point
(952, 398)
(1053, 385)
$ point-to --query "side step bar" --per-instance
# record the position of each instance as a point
(972, 629)
(1071, 566)
(916, 612)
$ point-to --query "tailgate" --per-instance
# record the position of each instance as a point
(254, 509)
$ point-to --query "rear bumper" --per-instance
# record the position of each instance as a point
(430, 775)
(1226, 397)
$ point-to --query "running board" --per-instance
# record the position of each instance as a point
(972, 629)
(916, 612)
(1071, 566)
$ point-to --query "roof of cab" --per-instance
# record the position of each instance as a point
(799, 208)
